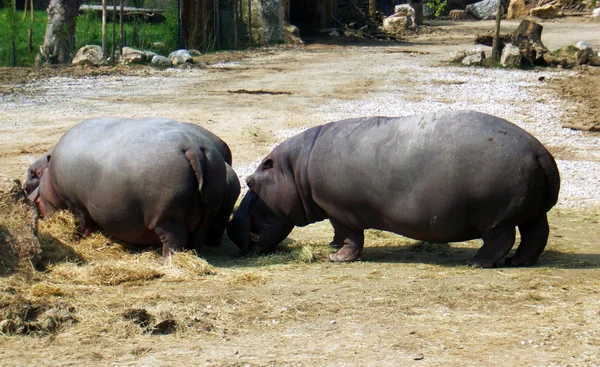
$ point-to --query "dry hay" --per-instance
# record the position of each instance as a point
(41, 302)
(18, 244)
(101, 260)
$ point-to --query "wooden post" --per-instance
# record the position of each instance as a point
(249, 23)
(372, 9)
(216, 30)
(104, 28)
(495, 43)
(30, 45)
(234, 24)
(122, 29)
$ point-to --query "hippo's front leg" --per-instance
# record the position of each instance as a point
(350, 240)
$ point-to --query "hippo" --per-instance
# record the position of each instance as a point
(145, 181)
(439, 177)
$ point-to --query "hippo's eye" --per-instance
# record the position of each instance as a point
(268, 164)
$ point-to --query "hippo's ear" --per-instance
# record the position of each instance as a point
(49, 156)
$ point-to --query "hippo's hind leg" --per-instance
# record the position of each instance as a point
(173, 236)
(496, 244)
(351, 241)
(534, 236)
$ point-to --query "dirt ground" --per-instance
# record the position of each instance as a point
(404, 303)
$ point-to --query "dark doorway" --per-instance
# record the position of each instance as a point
(310, 16)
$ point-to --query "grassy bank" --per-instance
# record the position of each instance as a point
(158, 37)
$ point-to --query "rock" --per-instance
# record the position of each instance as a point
(485, 9)
(582, 45)
(546, 11)
(596, 15)
(516, 9)
(195, 53)
(132, 56)
(335, 33)
(291, 34)
(475, 59)
(406, 10)
(89, 55)
(511, 56)
(457, 56)
(180, 57)
(159, 60)
(476, 51)
(400, 21)
(148, 55)
(460, 15)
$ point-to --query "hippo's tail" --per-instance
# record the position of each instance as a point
(196, 158)
(552, 180)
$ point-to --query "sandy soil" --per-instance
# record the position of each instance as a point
(400, 305)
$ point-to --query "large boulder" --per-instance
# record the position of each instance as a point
(291, 34)
(159, 60)
(180, 57)
(90, 55)
(596, 15)
(516, 9)
(546, 11)
(511, 56)
(132, 56)
(401, 20)
(485, 9)
(475, 56)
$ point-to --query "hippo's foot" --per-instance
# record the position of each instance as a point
(345, 254)
(514, 262)
(335, 245)
(480, 263)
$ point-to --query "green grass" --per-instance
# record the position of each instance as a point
(140, 35)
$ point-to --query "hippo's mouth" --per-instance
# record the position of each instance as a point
(254, 237)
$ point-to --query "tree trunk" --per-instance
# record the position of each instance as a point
(372, 9)
(59, 43)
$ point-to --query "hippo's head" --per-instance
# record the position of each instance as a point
(266, 214)
(34, 173)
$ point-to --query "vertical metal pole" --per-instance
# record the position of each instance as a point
(122, 29)
(104, 50)
(179, 43)
(495, 42)
(114, 31)
(234, 24)
(249, 23)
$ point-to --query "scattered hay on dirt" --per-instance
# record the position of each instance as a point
(441, 249)
(297, 252)
(18, 244)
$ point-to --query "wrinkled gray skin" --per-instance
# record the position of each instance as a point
(441, 177)
(145, 181)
